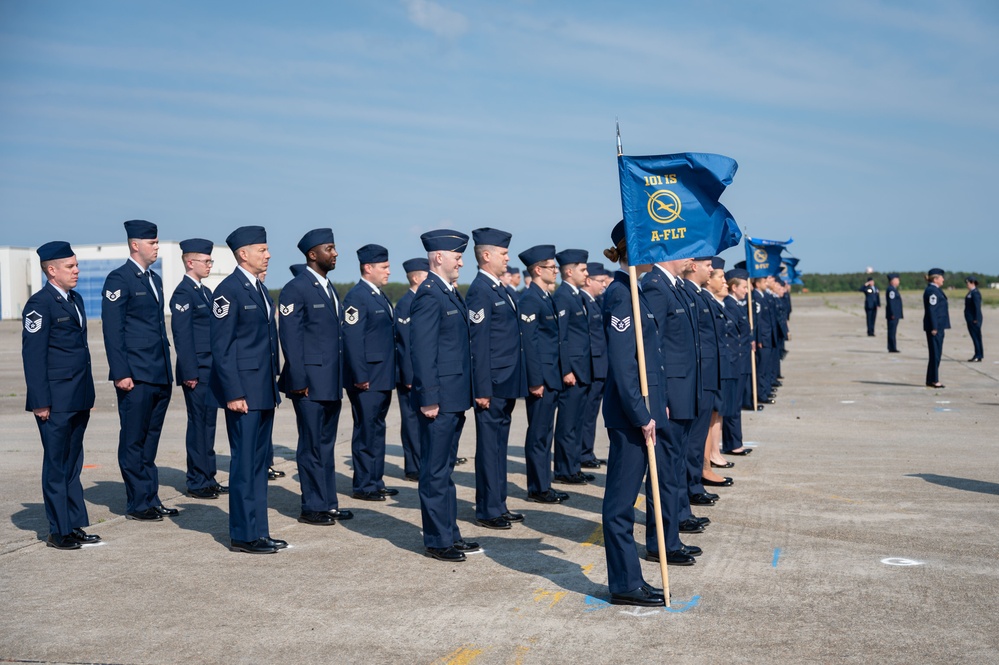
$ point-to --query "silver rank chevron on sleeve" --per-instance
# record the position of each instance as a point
(351, 315)
(477, 317)
(32, 321)
(221, 309)
(620, 325)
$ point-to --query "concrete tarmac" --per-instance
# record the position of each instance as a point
(863, 528)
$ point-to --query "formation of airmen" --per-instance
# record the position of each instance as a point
(564, 346)
(936, 317)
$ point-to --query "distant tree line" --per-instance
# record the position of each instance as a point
(907, 281)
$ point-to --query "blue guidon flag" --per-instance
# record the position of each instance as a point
(671, 208)
(793, 275)
(763, 256)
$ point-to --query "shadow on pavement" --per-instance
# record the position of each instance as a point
(966, 484)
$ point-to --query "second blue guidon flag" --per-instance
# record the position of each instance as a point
(763, 256)
(671, 208)
(793, 276)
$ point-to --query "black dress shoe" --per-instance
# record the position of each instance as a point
(461, 460)
(718, 483)
(643, 596)
(495, 523)
(701, 500)
(677, 558)
(935, 385)
(147, 515)
(570, 480)
(744, 451)
(277, 544)
(340, 514)
(691, 526)
(595, 464)
(512, 517)
(220, 489)
(163, 511)
(63, 542)
(466, 546)
(759, 407)
(894, 351)
(692, 550)
(713, 497)
(445, 554)
(588, 477)
(84, 538)
(369, 496)
(778, 384)
(258, 546)
(204, 493)
(316, 518)
(551, 496)
(703, 521)
(975, 360)
(412, 477)
(726, 465)
(274, 474)
(769, 400)
(388, 491)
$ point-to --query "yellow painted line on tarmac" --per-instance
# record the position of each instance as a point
(464, 655)
(587, 568)
(540, 595)
(519, 653)
(639, 502)
(596, 537)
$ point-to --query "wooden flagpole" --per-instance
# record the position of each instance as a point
(650, 442)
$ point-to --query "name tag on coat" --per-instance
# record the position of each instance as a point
(451, 311)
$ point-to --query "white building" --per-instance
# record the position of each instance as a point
(21, 275)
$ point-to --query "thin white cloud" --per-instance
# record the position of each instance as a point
(439, 20)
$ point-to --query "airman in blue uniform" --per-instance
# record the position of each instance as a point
(138, 352)
(630, 420)
(190, 323)
(730, 400)
(676, 319)
(545, 370)
(593, 292)
(735, 305)
(695, 276)
(312, 374)
(872, 301)
(369, 354)
(499, 375)
(893, 310)
(973, 317)
(936, 319)
(577, 363)
(60, 382)
(442, 390)
(766, 333)
(416, 272)
(245, 365)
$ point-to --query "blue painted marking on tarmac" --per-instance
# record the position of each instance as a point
(678, 607)
(596, 604)
(776, 557)
(941, 409)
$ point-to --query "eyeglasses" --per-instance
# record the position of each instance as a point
(553, 268)
(207, 262)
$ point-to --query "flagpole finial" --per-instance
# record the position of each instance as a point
(619, 150)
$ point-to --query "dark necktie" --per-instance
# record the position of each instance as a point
(332, 297)
(582, 301)
(204, 296)
(72, 301)
(149, 282)
(260, 290)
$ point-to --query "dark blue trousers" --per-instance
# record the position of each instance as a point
(934, 344)
(672, 487)
(627, 468)
(249, 434)
(765, 373)
(872, 318)
(62, 461)
(492, 434)
(367, 442)
(410, 431)
(591, 408)
(892, 329)
(317, 425)
(141, 412)
(538, 442)
(694, 450)
(975, 331)
(732, 425)
(568, 430)
(679, 434)
(202, 415)
(438, 499)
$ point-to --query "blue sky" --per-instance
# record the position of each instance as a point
(868, 131)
